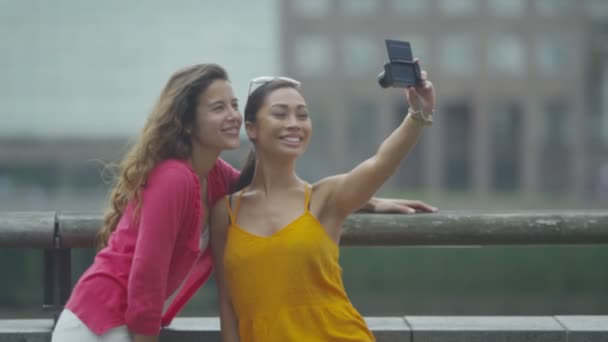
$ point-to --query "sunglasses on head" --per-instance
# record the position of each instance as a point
(261, 80)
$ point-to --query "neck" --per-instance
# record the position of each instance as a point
(202, 160)
(273, 174)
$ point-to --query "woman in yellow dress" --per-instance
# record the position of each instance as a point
(275, 241)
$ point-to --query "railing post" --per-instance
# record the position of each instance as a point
(57, 275)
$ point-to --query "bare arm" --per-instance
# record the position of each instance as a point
(379, 205)
(218, 229)
(349, 192)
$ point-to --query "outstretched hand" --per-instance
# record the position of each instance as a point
(401, 206)
(396, 206)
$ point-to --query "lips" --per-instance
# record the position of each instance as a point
(231, 130)
(292, 140)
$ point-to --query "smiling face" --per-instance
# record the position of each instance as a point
(282, 126)
(218, 120)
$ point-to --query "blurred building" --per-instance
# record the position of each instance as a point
(77, 79)
(522, 85)
(522, 88)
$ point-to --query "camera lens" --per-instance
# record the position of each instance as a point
(382, 80)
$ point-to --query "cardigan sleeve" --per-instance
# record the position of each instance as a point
(220, 181)
(166, 201)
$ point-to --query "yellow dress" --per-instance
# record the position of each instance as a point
(288, 286)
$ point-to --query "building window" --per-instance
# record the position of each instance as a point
(507, 8)
(317, 161)
(361, 129)
(551, 8)
(505, 127)
(360, 56)
(457, 54)
(604, 106)
(313, 55)
(456, 141)
(555, 152)
(596, 9)
(557, 128)
(311, 8)
(555, 53)
(459, 7)
(358, 7)
(411, 6)
(506, 55)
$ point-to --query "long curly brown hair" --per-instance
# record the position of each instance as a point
(165, 135)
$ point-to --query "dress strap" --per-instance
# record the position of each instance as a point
(237, 205)
(308, 191)
(228, 205)
(233, 213)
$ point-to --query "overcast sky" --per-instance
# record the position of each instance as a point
(80, 67)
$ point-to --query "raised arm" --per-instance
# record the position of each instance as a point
(219, 223)
(349, 192)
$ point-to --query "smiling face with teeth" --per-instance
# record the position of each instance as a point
(282, 124)
(218, 119)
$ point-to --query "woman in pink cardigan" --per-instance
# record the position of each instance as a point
(154, 253)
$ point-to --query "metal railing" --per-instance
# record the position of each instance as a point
(58, 232)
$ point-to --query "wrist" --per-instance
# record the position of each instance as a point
(423, 117)
(368, 207)
(372, 204)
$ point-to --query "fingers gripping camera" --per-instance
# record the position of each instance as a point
(401, 71)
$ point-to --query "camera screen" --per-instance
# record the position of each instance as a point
(404, 73)
(398, 50)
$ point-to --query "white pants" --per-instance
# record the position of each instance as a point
(70, 328)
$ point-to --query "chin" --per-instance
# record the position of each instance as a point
(291, 153)
(232, 145)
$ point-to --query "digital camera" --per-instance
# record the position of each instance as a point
(400, 71)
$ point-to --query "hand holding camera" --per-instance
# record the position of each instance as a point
(403, 71)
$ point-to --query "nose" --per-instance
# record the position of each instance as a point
(234, 114)
(293, 123)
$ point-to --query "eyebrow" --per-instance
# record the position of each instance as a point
(213, 103)
(284, 106)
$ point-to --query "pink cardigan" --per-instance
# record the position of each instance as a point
(147, 260)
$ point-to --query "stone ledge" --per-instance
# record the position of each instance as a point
(25, 330)
(486, 328)
(386, 329)
(585, 328)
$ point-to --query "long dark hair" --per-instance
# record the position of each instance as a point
(165, 135)
(255, 101)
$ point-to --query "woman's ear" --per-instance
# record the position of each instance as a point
(251, 130)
